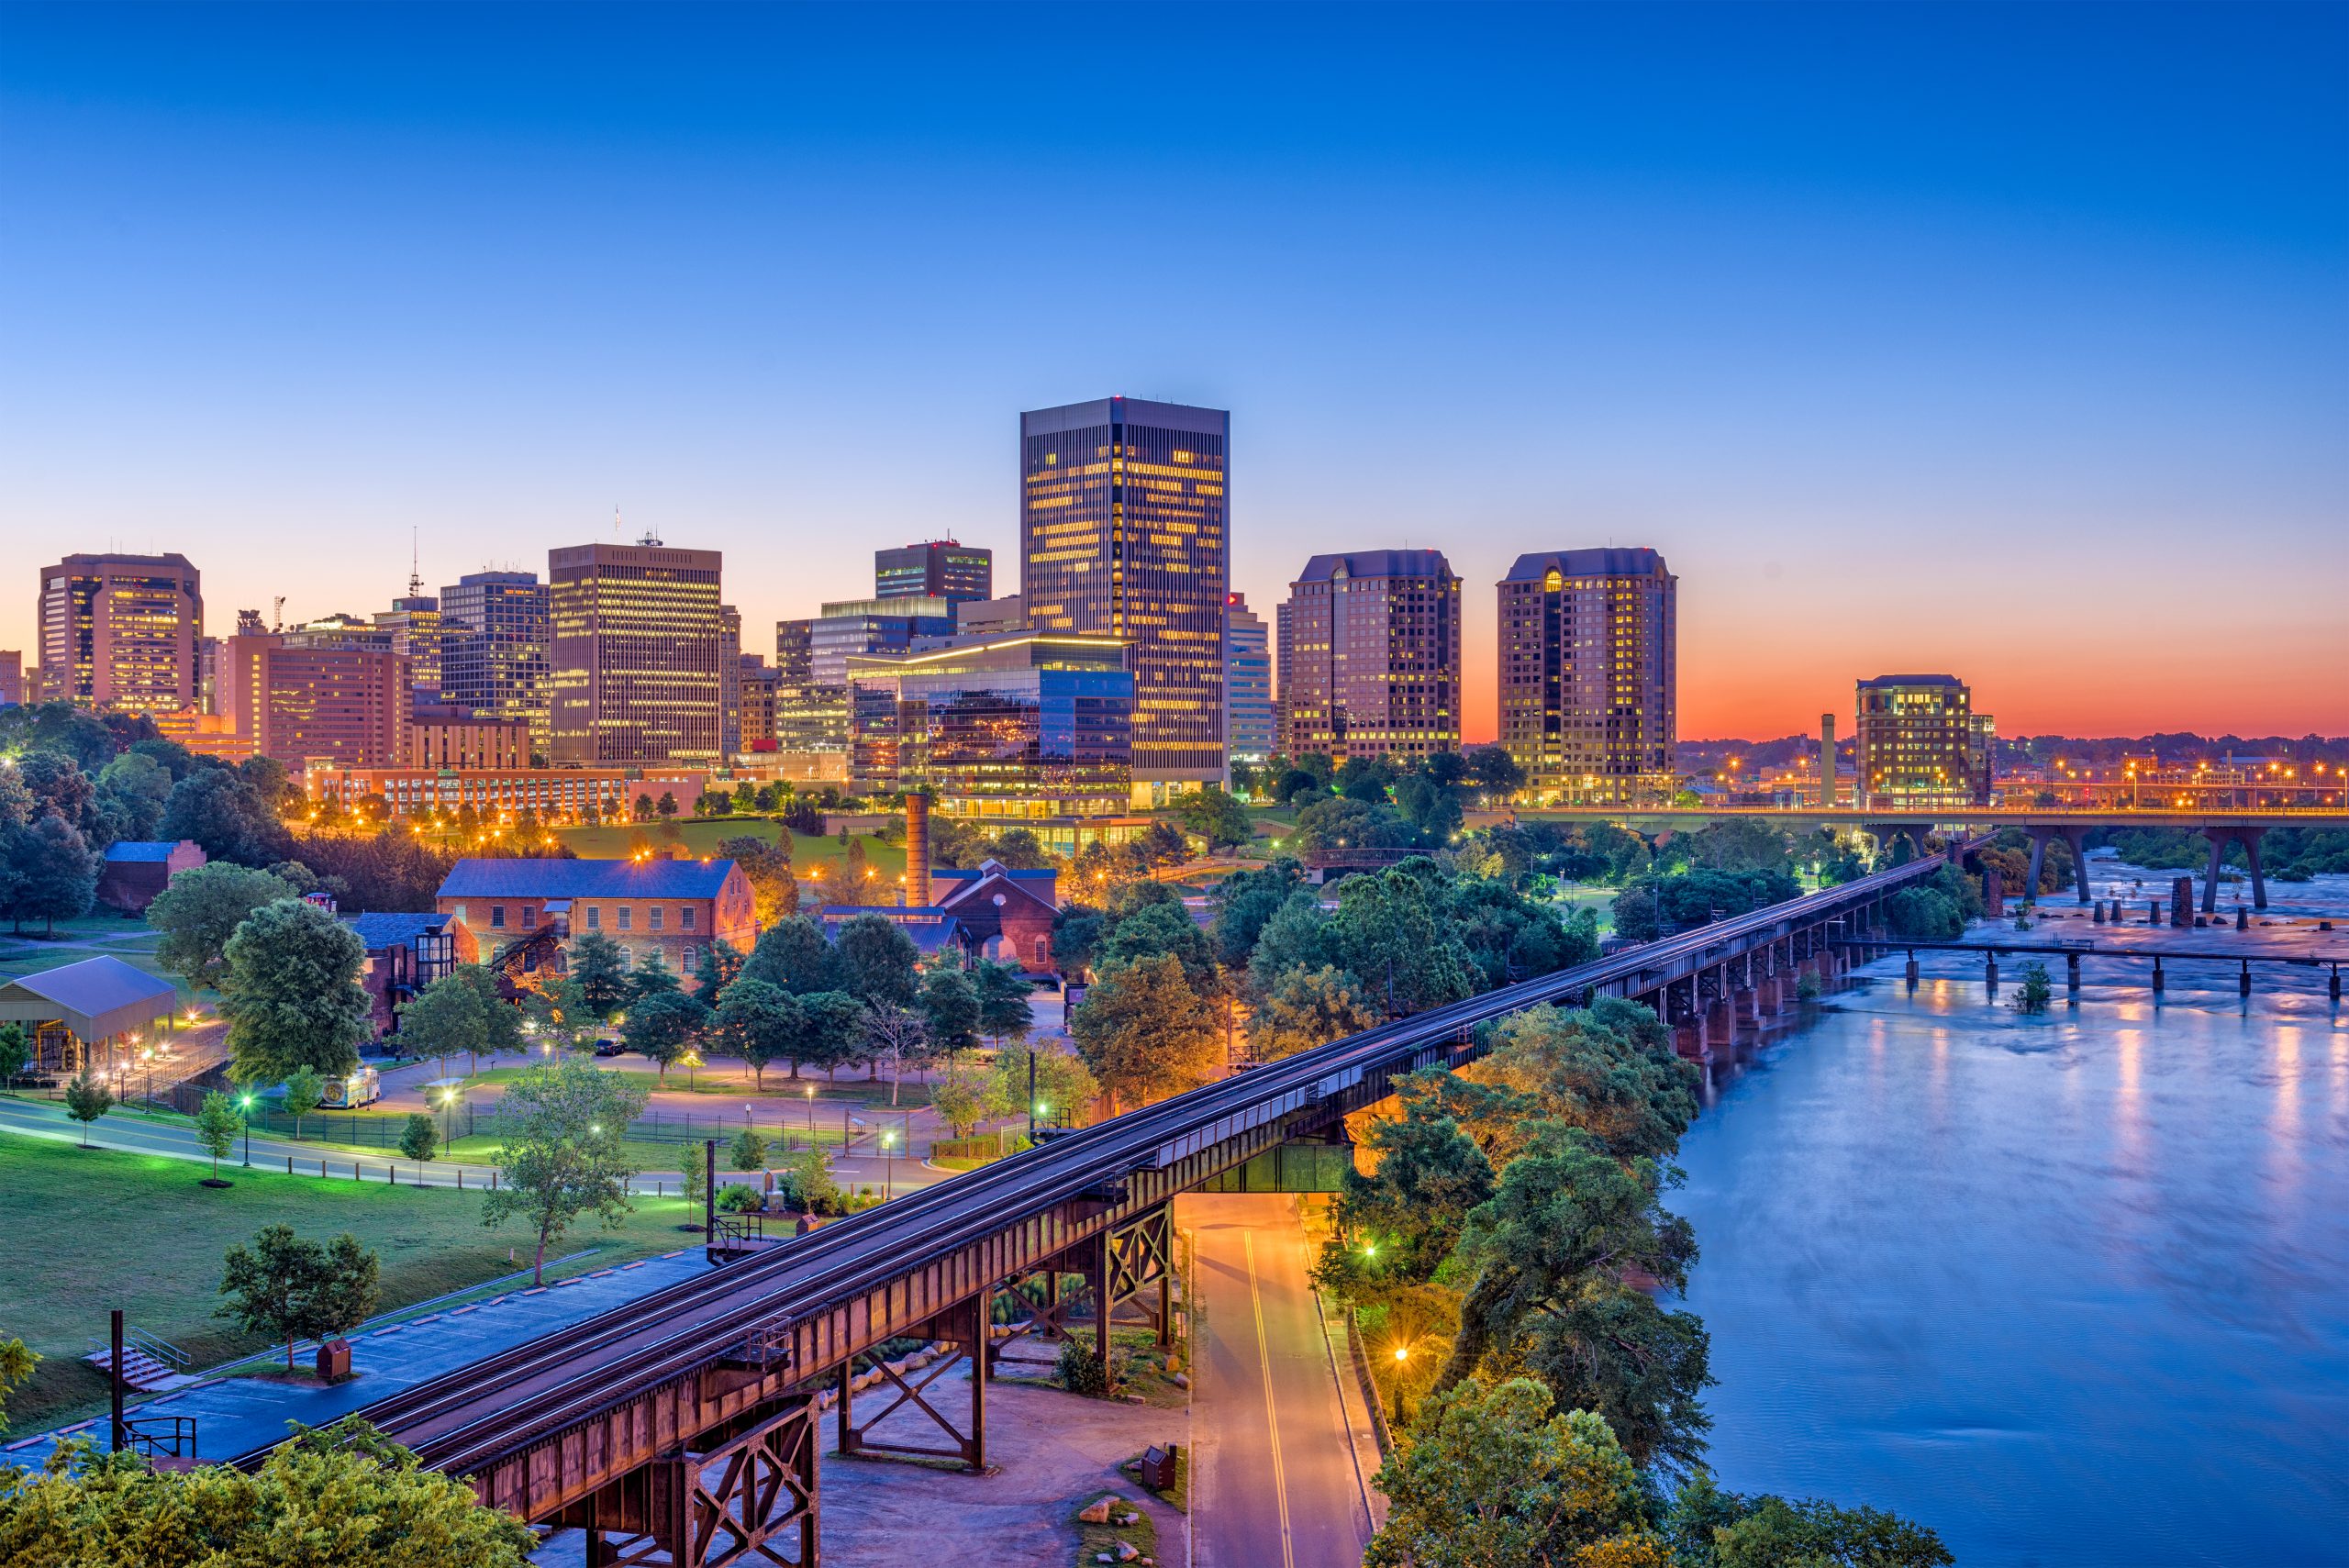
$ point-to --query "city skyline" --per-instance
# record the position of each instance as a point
(1811, 367)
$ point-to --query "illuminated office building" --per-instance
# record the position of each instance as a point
(1370, 655)
(939, 569)
(493, 649)
(119, 632)
(851, 627)
(639, 657)
(1588, 674)
(1250, 722)
(1124, 534)
(315, 699)
(413, 624)
(1026, 727)
(1919, 742)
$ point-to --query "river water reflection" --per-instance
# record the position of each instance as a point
(2073, 1290)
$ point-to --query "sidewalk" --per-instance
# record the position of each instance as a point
(236, 1413)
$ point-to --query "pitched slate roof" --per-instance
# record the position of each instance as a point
(585, 879)
(1376, 564)
(142, 849)
(962, 884)
(98, 996)
(1603, 562)
(393, 929)
(930, 930)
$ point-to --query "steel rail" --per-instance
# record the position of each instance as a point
(673, 1330)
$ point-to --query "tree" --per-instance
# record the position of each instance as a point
(653, 977)
(1493, 1479)
(1493, 771)
(895, 1035)
(793, 954)
(1018, 849)
(1078, 930)
(87, 1100)
(1403, 1220)
(444, 1020)
(949, 1009)
(16, 1052)
(1308, 1008)
(501, 1020)
(340, 1497)
(759, 1023)
(227, 818)
(419, 1138)
(1554, 1251)
(1161, 927)
(668, 805)
(1216, 817)
(60, 789)
(877, 962)
(748, 1151)
(2034, 997)
(303, 1090)
(1244, 901)
(774, 892)
(664, 1025)
(1297, 935)
(1392, 932)
(292, 993)
(564, 1153)
(131, 791)
(558, 1009)
(959, 1098)
(1007, 1010)
(290, 1289)
(1709, 1528)
(1064, 1084)
(217, 1126)
(720, 962)
(831, 1031)
(202, 909)
(600, 970)
(1610, 1071)
(17, 1365)
(57, 873)
(1143, 1032)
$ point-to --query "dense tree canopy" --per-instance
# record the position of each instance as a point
(291, 994)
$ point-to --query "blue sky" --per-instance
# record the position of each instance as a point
(2008, 340)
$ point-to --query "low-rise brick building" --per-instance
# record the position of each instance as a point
(677, 907)
(136, 870)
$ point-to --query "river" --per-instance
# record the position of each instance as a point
(2073, 1290)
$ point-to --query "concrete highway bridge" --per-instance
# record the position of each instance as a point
(2042, 825)
(683, 1429)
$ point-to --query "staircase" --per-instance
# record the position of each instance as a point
(150, 1364)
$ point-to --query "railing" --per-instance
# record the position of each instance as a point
(161, 1437)
(154, 1346)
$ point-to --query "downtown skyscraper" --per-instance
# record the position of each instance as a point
(119, 632)
(1588, 673)
(1124, 514)
(493, 649)
(1370, 656)
(640, 655)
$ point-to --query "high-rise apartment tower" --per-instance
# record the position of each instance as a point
(1124, 512)
(1370, 655)
(493, 649)
(1588, 680)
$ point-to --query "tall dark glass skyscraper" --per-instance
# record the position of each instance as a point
(941, 568)
(1124, 532)
(493, 649)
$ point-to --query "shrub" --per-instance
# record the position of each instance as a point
(419, 1137)
(2036, 991)
(1807, 989)
(737, 1198)
(1082, 1372)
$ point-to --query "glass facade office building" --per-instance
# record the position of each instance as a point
(1023, 726)
(941, 569)
(118, 633)
(1370, 656)
(1919, 742)
(493, 649)
(1124, 534)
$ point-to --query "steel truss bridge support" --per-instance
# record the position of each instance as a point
(1131, 1263)
(752, 1497)
(967, 1329)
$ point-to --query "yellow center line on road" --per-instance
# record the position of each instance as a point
(1272, 1418)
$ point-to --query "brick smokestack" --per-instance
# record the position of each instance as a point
(916, 894)
(1827, 758)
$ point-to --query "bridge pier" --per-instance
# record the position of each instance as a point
(741, 1500)
(2220, 838)
(2076, 840)
(970, 1329)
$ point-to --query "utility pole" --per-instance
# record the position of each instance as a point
(1032, 1095)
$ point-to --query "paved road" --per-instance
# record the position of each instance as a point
(1276, 1483)
(44, 1119)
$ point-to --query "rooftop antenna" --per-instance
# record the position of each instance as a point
(277, 614)
(616, 520)
(415, 573)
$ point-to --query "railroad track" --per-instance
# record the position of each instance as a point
(465, 1418)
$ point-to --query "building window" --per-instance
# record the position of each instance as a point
(625, 913)
(497, 917)
(690, 957)
(594, 916)
(653, 918)
(685, 916)
(529, 916)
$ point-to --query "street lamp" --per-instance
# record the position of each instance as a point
(809, 1090)
(246, 1104)
(889, 1170)
(1402, 1354)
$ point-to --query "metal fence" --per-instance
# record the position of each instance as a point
(783, 1130)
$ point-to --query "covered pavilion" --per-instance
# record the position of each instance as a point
(88, 1014)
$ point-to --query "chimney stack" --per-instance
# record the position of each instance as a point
(916, 894)
(1827, 760)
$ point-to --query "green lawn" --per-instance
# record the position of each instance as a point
(104, 1228)
(702, 836)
